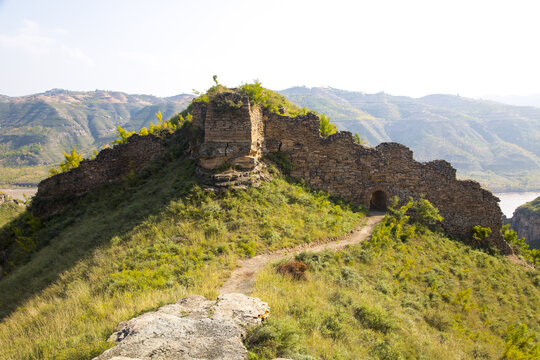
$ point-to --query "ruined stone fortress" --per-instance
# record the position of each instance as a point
(241, 135)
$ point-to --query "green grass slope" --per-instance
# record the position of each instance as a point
(9, 211)
(130, 247)
(408, 293)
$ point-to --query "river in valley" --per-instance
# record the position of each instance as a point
(511, 200)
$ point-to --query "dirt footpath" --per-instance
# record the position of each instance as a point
(242, 278)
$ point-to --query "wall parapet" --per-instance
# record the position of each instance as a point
(240, 134)
(340, 166)
(110, 165)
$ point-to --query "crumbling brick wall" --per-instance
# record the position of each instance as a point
(334, 163)
(109, 166)
(338, 165)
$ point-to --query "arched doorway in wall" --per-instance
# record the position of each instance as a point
(378, 201)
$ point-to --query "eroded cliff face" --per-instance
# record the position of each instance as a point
(527, 225)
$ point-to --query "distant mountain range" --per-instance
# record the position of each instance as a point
(496, 144)
(35, 129)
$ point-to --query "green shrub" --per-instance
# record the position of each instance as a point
(71, 161)
(270, 100)
(384, 351)
(122, 136)
(480, 233)
(359, 140)
(519, 245)
(326, 127)
(374, 318)
(520, 343)
(333, 325)
(272, 339)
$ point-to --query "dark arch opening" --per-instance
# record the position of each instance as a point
(378, 201)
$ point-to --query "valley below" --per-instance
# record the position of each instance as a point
(510, 201)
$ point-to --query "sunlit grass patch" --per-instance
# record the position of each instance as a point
(404, 295)
(131, 247)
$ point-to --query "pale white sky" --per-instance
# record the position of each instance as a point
(164, 48)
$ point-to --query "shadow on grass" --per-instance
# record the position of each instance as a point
(61, 241)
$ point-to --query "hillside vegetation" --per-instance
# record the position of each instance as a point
(496, 144)
(9, 211)
(532, 206)
(133, 246)
(36, 129)
(408, 293)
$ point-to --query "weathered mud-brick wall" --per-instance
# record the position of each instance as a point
(370, 176)
(198, 111)
(233, 131)
(109, 166)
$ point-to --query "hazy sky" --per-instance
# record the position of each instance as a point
(164, 47)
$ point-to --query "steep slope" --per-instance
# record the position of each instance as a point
(128, 247)
(36, 129)
(496, 144)
(408, 293)
(133, 246)
(526, 222)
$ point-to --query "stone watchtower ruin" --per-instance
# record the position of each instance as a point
(238, 133)
(233, 131)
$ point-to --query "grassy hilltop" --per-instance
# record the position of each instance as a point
(130, 247)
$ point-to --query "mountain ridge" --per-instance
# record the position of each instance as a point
(493, 143)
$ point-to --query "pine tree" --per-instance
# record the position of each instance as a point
(122, 136)
(326, 127)
(71, 161)
(359, 140)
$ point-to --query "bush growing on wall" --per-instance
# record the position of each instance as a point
(326, 127)
(71, 161)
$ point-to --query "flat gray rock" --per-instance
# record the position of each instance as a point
(193, 328)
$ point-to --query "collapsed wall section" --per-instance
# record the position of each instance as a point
(109, 166)
(340, 166)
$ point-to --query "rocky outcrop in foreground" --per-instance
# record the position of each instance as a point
(193, 328)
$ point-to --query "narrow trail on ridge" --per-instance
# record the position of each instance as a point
(242, 278)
